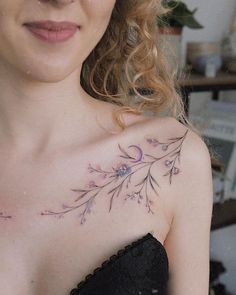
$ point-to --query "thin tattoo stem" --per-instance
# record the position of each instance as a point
(3, 216)
(124, 172)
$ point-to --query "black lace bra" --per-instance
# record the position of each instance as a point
(140, 268)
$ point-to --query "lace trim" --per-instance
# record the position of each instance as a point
(112, 258)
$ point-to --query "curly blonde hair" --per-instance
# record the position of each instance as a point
(129, 57)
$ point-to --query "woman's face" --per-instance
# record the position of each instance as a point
(22, 52)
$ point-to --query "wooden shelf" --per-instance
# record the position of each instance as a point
(193, 82)
(224, 214)
(196, 80)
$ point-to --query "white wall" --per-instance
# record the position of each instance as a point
(216, 16)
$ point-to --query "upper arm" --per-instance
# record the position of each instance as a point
(187, 242)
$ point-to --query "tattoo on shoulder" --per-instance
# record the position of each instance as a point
(118, 178)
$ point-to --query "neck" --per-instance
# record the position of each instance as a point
(39, 115)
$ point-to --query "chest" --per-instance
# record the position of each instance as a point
(51, 256)
(64, 223)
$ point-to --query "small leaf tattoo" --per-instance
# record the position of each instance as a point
(4, 216)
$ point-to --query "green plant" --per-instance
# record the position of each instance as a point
(178, 15)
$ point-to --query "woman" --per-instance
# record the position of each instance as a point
(76, 187)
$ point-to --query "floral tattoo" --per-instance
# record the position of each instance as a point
(120, 176)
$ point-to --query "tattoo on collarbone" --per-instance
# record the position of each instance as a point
(118, 178)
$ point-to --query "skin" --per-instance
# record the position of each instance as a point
(48, 157)
(46, 77)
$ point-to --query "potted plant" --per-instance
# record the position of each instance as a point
(179, 16)
(172, 23)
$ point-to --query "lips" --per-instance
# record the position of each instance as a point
(51, 31)
(52, 25)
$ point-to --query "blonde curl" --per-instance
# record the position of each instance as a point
(130, 57)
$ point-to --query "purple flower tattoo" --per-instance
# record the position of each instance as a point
(121, 174)
(173, 154)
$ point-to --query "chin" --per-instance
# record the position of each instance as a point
(50, 73)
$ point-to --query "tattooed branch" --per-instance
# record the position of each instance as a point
(122, 174)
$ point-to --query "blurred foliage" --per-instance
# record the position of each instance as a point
(179, 15)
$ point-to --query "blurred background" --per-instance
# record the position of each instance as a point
(202, 34)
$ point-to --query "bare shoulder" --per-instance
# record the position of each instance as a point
(194, 189)
(178, 158)
(186, 164)
(194, 157)
(194, 149)
(190, 197)
(185, 155)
